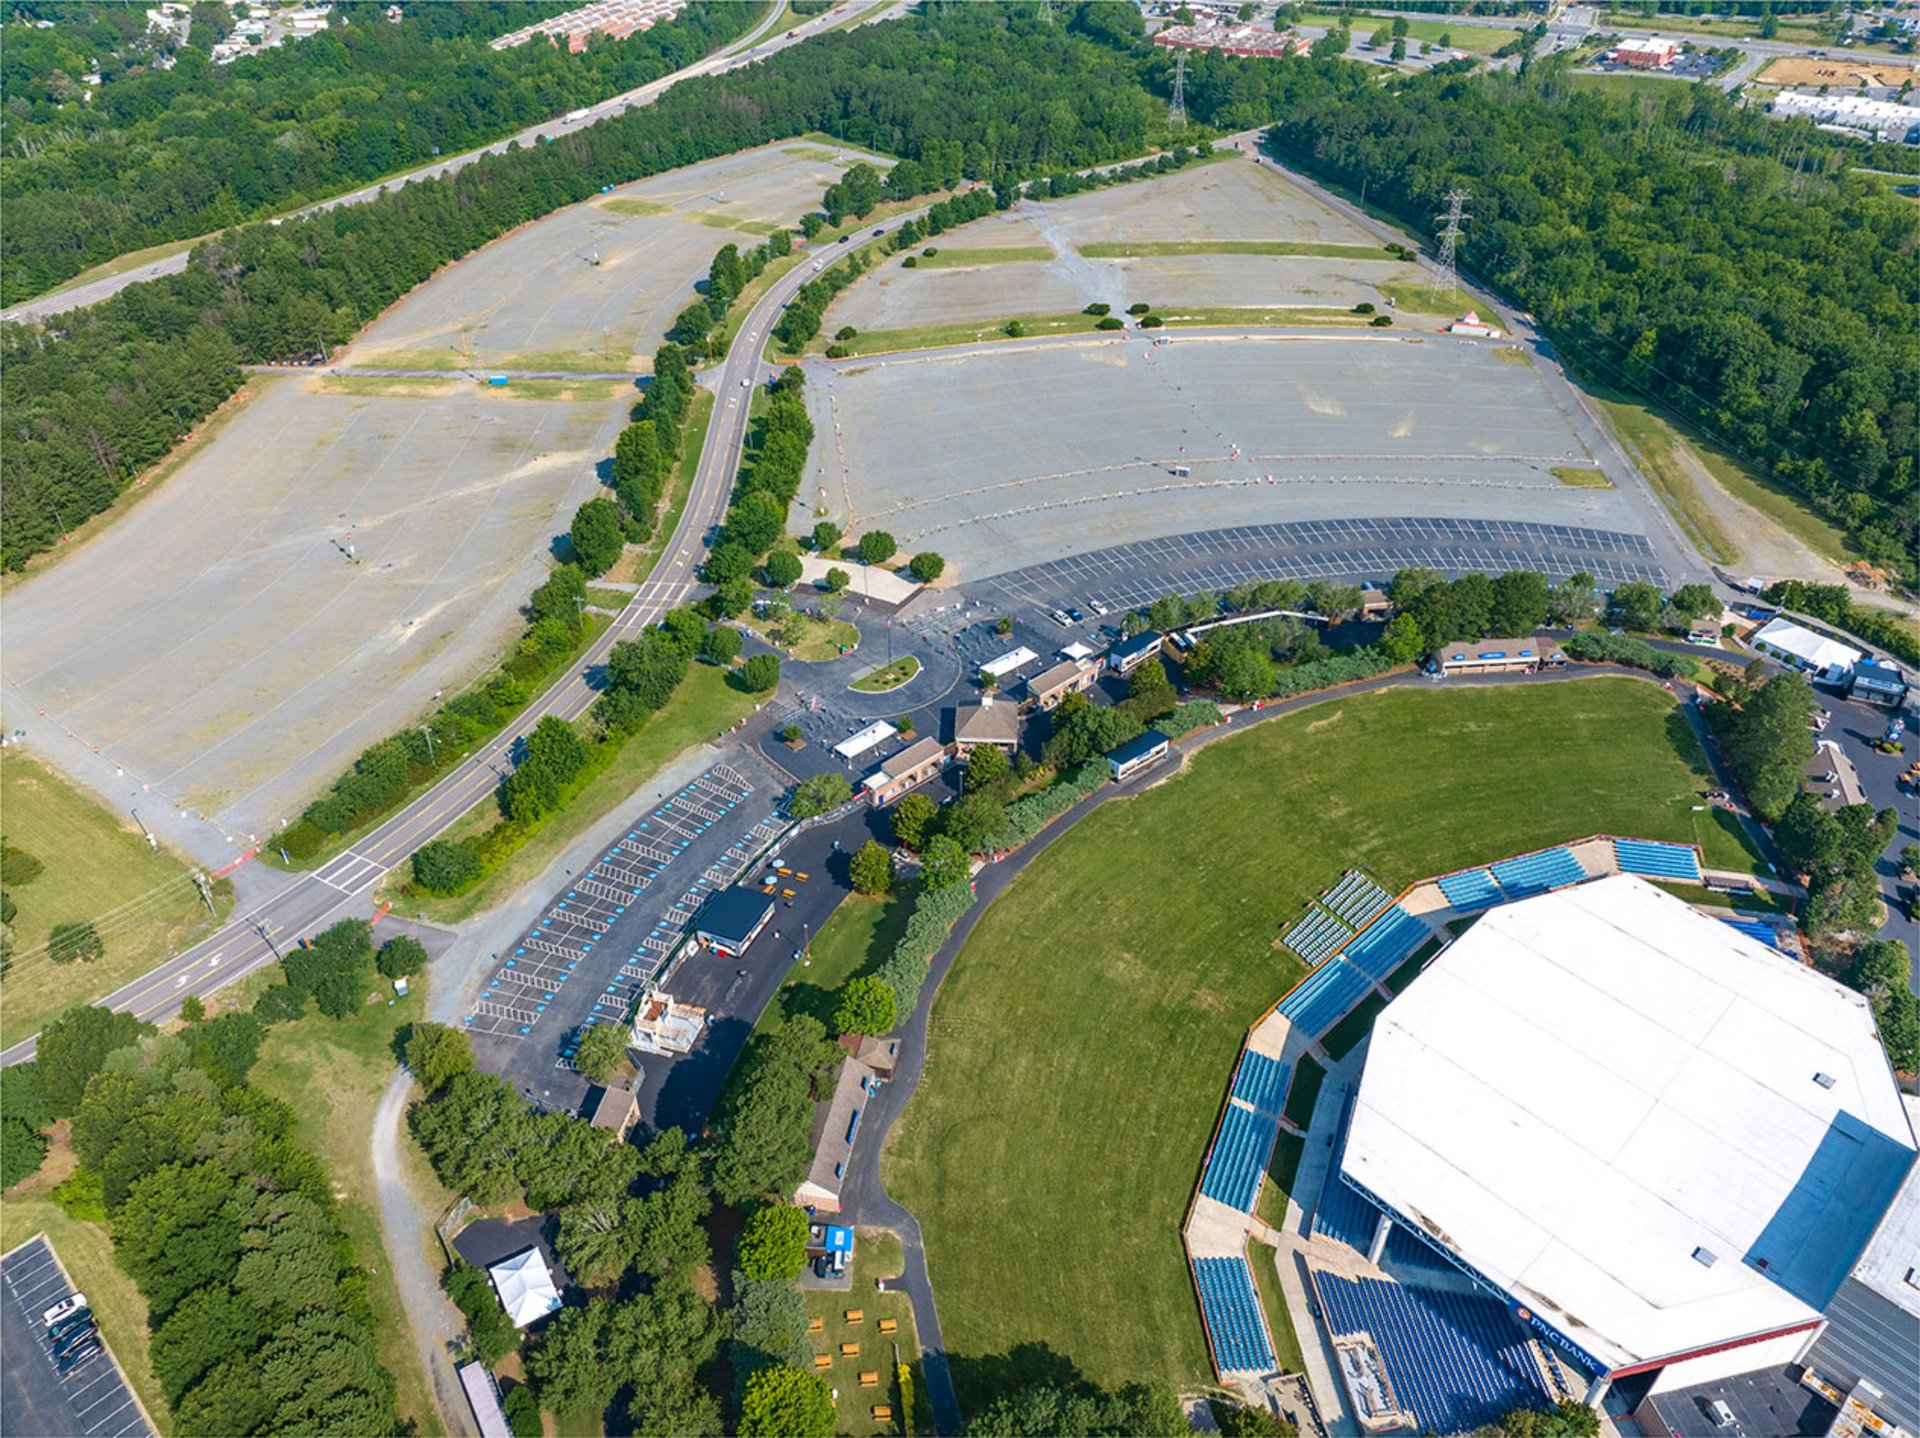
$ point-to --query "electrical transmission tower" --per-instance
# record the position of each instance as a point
(1177, 106)
(1448, 279)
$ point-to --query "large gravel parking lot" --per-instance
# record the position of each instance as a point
(1006, 455)
(218, 643)
(595, 286)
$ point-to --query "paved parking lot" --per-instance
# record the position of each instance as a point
(612, 931)
(93, 1401)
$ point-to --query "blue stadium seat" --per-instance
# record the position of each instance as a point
(1239, 1156)
(1356, 899)
(1387, 943)
(1759, 929)
(1261, 1082)
(1457, 1361)
(1661, 861)
(1316, 935)
(1342, 1214)
(1235, 1330)
(1471, 889)
(1537, 873)
(1324, 998)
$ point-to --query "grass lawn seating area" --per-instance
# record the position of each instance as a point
(1386, 943)
(1317, 936)
(1317, 1004)
(1236, 1331)
(1028, 1045)
(1457, 1362)
(1659, 861)
(884, 1336)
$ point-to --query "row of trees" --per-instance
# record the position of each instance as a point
(95, 396)
(223, 1218)
(165, 154)
(729, 274)
(769, 482)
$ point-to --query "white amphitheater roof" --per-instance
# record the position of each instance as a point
(1887, 1267)
(1592, 1084)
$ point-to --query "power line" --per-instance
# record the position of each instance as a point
(1448, 279)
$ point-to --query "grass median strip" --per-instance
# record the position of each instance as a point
(1143, 249)
(891, 676)
(939, 257)
(1655, 448)
(926, 337)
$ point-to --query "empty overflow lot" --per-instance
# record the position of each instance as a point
(219, 644)
(595, 286)
(1005, 455)
(1160, 241)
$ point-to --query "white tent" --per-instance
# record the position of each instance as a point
(1787, 640)
(525, 1287)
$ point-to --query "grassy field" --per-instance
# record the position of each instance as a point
(890, 676)
(1286, 1343)
(1475, 39)
(942, 258)
(331, 1073)
(96, 867)
(1143, 248)
(1188, 316)
(855, 941)
(1653, 444)
(380, 386)
(568, 391)
(1085, 1077)
(819, 638)
(704, 706)
(964, 332)
(615, 599)
(1282, 1169)
(1304, 1091)
(87, 1252)
(876, 1254)
(1514, 355)
(1626, 86)
(1417, 298)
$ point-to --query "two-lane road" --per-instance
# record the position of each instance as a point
(337, 888)
(739, 53)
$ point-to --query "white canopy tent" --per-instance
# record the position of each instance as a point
(525, 1287)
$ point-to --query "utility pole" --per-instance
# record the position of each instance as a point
(152, 843)
(206, 891)
(1449, 277)
(1177, 106)
(429, 733)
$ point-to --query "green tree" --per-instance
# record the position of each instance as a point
(837, 580)
(1574, 601)
(973, 821)
(445, 866)
(1695, 601)
(1520, 603)
(74, 1047)
(877, 547)
(602, 1052)
(866, 1006)
(758, 673)
(909, 819)
(782, 1401)
(1767, 741)
(819, 793)
(1149, 691)
(21, 1152)
(79, 942)
(783, 568)
(1569, 1418)
(987, 766)
(437, 1055)
(18, 867)
(1237, 1420)
(826, 534)
(648, 670)
(1401, 641)
(1638, 605)
(473, 1136)
(943, 863)
(597, 535)
(927, 566)
(192, 1010)
(763, 1131)
(773, 1243)
(721, 645)
(871, 868)
(401, 957)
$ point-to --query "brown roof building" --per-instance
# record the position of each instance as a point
(986, 723)
(913, 765)
(1070, 676)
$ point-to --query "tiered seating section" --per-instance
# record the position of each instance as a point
(1342, 1214)
(1356, 899)
(1235, 1330)
(1387, 944)
(1471, 889)
(1323, 1000)
(1240, 1154)
(1261, 1082)
(1457, 1361)
(1759, 929)
(1537, 873)
(1659, 861)
(1317, 935)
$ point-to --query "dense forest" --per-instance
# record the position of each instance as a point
(1730, 267)
(94, 396)
(165, 154)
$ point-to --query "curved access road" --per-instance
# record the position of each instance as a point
(307, 902)
(736, 54)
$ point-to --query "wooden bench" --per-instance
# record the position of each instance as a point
(815, 1324)
(849, 1350)
(889, 1325)
(869, 1378)
(856, 1317)
(882, 1413)
(823, 1360)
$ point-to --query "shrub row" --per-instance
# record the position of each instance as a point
(1325, 673)
(1198, 714)
(1053, 187)
(1634, 653)
(1028, 815)
(935, 913)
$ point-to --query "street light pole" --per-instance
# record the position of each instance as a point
(429, 733)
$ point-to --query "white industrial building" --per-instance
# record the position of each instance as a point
(1883, 119)
(1665, 1145)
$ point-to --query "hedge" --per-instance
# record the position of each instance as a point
(1325, 673)
(1028, 815)
(1199, 714)
(1635, 654)
(935, 913)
